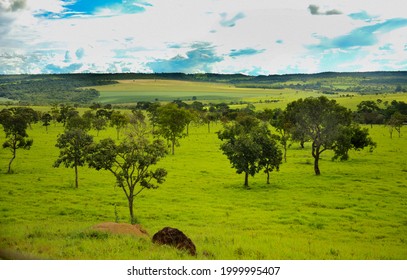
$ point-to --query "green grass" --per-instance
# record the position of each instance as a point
(354, 210)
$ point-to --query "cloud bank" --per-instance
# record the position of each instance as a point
(256, 37)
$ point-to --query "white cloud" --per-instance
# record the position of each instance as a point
(283, 30)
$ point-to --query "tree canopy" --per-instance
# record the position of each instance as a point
(130, 162)
(172, 122)
(15, 123)
(328, 126)
(73, 145)
(250, 147)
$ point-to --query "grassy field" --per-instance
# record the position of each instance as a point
(354, 210)
(132, 91)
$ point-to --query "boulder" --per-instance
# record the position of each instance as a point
(176, 238)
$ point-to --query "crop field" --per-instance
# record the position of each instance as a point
(356, 209)
(132, 91)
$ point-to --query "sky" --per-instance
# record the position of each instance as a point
(252, 37)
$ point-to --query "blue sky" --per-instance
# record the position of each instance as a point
(256, 37)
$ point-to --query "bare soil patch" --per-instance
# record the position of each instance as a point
(121, 228)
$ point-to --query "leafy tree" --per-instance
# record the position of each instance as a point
(209, 117)
(46, 120)
(78, 122)
(352, 137)
(95, 106)
(30, 115)
(279, 119)
(250, 147)
(396, 122)
(153, 113)
(15, 126)
(271, 156)
(324, 122)
(130, 162)
(66, 112)
(73, 145)
(143, 105)
(197, 106)
(99, 123)
(393, 107)
(369, 112)
(55, 113)
(104, 113)
(172, 122)
(88, 117)
(119, 121)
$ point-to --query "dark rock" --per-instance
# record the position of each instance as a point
(176, 238)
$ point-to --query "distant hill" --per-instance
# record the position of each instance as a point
(76, 88)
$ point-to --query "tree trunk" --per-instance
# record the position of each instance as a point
(246, 179)
(132, 219)
(268, 177)
(11, 161)
(172, 146)
(209, 127)
(76, 176)
(316, 166)
(315, 154)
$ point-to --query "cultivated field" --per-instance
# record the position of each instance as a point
(356, 209)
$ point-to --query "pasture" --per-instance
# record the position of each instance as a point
(356, 209)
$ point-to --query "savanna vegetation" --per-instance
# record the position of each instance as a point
(126, 170)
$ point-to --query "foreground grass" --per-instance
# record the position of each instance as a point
(354, 210)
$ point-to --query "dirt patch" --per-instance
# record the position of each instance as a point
(121, 228)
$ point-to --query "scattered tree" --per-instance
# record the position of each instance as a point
(130, 163)
(250, 147)
(15, 126)
(73, 145)
(46, 120)
(324, 122)
(396, 122)
(119, 121)
(153, 114)
(172, 122)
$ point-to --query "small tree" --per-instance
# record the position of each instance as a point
(119, 121)
(352, 137)
(15, 127)
(396, 122)
(78, 122)
(152, 113)
(73, 145)
(46, 120)
(271, 156)
(130, 162)
(172, 122)
(250, 147)
(99, 123)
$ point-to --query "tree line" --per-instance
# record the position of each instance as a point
(253, 141)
